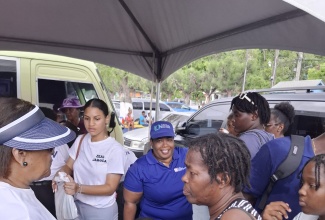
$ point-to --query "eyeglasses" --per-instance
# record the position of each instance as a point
(244, 96)
(269, 125)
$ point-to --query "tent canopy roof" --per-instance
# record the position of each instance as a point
(154, 38)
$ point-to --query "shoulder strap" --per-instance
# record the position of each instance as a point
(78, 150)
(287, 167)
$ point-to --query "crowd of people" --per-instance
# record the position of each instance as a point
(228, 172)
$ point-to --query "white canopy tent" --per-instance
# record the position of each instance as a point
(154, 38)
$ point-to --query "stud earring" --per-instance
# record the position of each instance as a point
(25, 164)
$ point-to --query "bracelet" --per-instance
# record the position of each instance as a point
(79, 188)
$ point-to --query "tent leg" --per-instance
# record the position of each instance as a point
(157, 100)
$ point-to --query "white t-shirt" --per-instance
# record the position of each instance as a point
(130, 159)
(59, 159)
(95, 161)
(21, 204)
(303, 216)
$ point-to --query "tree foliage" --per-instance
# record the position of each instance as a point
(221, 74)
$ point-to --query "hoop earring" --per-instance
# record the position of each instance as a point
(25, 164)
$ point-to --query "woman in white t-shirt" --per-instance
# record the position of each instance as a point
(311, 194)
(97, 165)
(27, 140)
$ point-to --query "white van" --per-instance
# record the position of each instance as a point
(140, 105)
(46, 80)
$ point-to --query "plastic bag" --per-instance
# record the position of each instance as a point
(64, 204)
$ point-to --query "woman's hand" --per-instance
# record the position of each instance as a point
(223, 130)
(275, 211)
(54, 186)
(71, 187)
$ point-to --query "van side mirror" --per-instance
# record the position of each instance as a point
(180, 127)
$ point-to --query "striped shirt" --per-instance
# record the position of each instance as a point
(243, 205)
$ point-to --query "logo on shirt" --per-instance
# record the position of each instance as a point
(100, 158)
(179, 169)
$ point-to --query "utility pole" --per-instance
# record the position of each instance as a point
(276, 56)
(245, 72)
(299, 62)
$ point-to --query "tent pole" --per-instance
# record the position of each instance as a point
(157, 100)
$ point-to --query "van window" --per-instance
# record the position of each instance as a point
(137, 105)
(8, 78)
(163, 107)
(208, 121)
(53, 92)
(147, 106)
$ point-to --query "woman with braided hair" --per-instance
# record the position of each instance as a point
(311, 194)
(251, 112)
(282, 117)
(217, 168)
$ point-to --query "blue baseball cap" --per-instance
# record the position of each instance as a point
(161, 129)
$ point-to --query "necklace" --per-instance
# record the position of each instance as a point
(314, 146)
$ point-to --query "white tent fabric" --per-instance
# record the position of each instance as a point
(127, 34)
(313, 7)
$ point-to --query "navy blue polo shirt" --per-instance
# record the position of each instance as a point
(162, 186)
(265, 163)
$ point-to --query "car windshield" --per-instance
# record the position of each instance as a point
(175, 118)
(178, 105)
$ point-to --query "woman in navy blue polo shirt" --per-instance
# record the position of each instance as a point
(154, 180)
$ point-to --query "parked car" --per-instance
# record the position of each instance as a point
(116, 105)
(140, 105)
(180, 107)
(309, 104)
(136, 139)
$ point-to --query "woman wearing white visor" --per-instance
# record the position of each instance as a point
(27, 139)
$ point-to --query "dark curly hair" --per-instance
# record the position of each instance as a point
(225, 154)
(319, 161)
(258, 104)
(284, 113)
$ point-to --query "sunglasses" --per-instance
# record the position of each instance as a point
(244, 96)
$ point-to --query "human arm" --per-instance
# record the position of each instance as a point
(67, 168)
(106, 189)
(131, 199)
(276, 211)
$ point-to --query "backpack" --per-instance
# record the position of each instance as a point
(287, 167)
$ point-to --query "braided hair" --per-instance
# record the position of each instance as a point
(284, 113)
(224, 154)
(257, 105)
(319, 161)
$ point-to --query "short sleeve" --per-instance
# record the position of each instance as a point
(117, 161)
(132, 180)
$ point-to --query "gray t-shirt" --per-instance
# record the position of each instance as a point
(254, 139)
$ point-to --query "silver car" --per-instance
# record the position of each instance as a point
(136, 139)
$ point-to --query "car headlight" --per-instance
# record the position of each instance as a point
(136, 144)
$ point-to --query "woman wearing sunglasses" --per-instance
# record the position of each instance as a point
(251, 112)
(281, 119)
